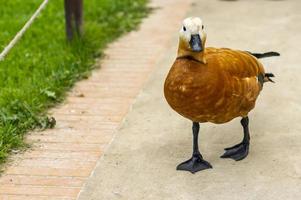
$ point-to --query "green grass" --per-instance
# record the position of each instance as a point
(37, 73)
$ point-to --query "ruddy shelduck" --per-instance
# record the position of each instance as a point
(213, 85)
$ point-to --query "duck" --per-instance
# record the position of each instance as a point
(216, 85)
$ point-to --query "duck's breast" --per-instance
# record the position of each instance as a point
(194, 90)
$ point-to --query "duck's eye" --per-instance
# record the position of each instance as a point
(202, 26)
(184, 28)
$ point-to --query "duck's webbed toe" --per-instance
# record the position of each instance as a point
(194, 164)
(237, 152)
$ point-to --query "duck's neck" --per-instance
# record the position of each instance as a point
(183, 52)
(198, 56)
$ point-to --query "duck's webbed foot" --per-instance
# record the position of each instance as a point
(237, 152)
(194, 164)
(241, 150)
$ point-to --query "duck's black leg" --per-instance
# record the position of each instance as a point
(196, 163)
(241, 150)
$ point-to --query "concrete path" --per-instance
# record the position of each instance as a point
(140, 162)
(63, 158)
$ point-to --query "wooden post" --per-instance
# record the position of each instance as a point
(68, 18)
(78, 16)
(73, 11)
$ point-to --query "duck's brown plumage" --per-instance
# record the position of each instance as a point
(223, 88)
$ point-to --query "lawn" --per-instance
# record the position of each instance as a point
(37, 73)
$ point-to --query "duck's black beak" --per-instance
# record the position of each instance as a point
(196, 43)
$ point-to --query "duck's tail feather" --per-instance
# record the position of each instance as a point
(264, 55)
(267, 77)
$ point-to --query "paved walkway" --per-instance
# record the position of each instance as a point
(63, 158)
(140, 163)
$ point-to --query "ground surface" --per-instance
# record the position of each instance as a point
(140, 162)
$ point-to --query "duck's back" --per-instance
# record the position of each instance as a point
(225, 87)
(237, 63)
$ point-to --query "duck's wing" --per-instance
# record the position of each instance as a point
(239, 64)
(244, 77)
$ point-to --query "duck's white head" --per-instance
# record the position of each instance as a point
(192, 37)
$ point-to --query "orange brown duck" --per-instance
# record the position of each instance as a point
(213, 85)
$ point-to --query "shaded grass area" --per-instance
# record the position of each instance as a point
(43, 66)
